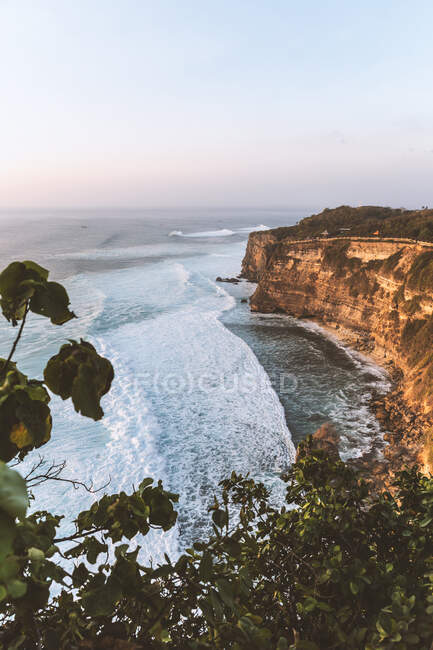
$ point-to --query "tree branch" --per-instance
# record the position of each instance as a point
(71, 538)
(52, 473)
(15, 343)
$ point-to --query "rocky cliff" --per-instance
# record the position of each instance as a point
(380, 290)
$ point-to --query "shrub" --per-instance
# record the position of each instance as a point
(416, 339)
(325, 570)
(420, 276)
(363, 221)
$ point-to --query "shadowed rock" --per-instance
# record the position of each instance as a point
(327, 439)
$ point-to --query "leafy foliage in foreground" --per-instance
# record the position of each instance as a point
(26, 422)
(78, 371)
(25, 286)
(337, 566)
(340, 567)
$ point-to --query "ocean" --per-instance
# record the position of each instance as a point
(202, 385)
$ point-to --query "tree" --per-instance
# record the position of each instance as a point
(336, 566)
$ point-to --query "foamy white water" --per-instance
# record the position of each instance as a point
(197, 390)
(224, 232)
(186, 391)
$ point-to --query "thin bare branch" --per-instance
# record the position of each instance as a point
(15, 343)
(74, 536)
(36, 476)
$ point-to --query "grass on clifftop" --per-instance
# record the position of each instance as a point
(363, 221)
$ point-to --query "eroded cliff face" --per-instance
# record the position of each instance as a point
(382, 290)
(353, 283)
(259, 249)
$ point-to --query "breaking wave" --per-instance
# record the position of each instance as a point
(224, 232)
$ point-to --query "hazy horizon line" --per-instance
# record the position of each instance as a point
(210, 206)
(101, 208)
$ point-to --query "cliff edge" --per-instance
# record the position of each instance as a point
(380, 290)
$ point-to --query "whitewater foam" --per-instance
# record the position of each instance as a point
(258, 228)
(224, 232)
(187, 389)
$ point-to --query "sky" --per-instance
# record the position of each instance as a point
(145, 103)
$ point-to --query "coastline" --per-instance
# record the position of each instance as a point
(360, 342)
(375, 296)
(404, 425)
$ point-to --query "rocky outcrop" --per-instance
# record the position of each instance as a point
(230, 280)
(380, 291)
(258, 251)
(326, 438)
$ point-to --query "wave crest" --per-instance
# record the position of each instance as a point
(224, 232)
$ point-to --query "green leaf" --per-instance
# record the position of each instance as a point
(161, 508)
(225, 590)
(9, 568)
(51, 300)
(35, 554)
(426, 521)
(7, 536)
(43, 273)
(412, 639)
(99, 602)
(25, 418)
(233, 547)
(13, 492)
(205, 567)
(16, 588)
(79, 372)
(80, 574)
(27, 282)
(18, 283)
(219, 518)
(354, 588)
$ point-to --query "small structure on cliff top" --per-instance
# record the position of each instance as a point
(325, 233)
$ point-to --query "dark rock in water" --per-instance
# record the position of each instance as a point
(244, 300)
(232, 280)
(326, 438)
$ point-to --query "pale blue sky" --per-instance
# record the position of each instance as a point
(199, 102)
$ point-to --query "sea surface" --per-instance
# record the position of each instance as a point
(202, 386)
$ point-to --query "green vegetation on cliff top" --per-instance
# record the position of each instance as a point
(363, 221)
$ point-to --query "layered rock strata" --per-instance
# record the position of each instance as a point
(378, 294)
